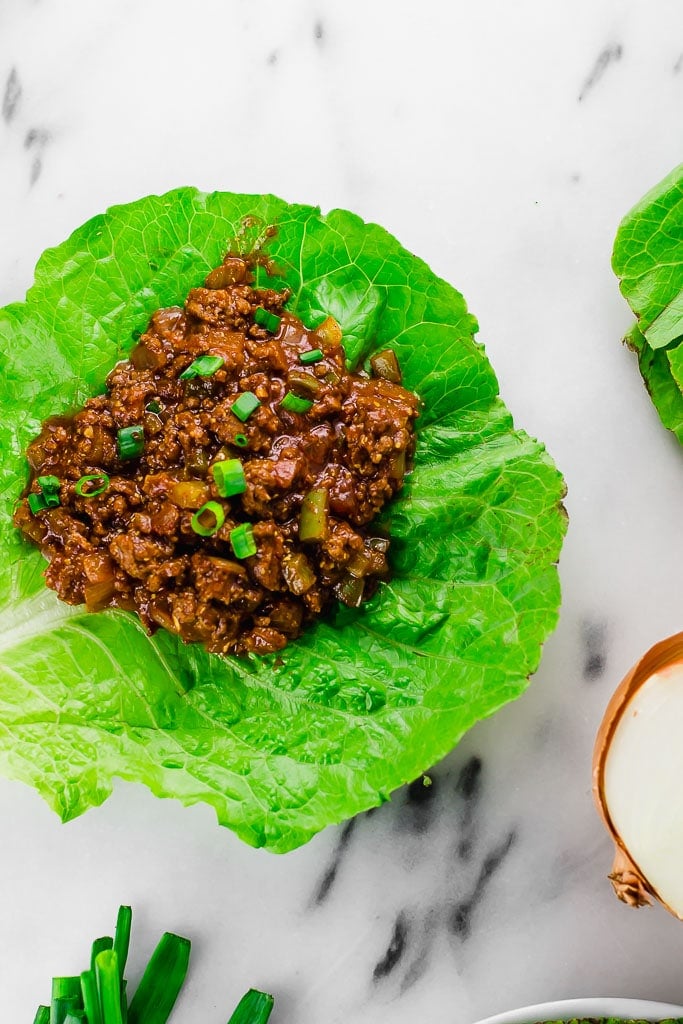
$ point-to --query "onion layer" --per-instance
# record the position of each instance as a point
(638, 778)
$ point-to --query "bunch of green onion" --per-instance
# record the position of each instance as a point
(99, 994)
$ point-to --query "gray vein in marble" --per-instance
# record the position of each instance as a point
(461, 918)
(605, 59)
(420, 802)
(468, 787)
(395, 949)
(272, 58)
(11, 97)
(420, 961)
(678, 66)
(330, 874)
(594, 644)
(35, 141)
(319, 32)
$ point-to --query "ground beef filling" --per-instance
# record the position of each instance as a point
(314, 473)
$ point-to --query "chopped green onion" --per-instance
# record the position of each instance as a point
(292, 403)
(264, 318)
(122, 936)
(242, 541)
(304, 385)
(204, 366)
(66, 995)
(49, 484)
(49, 489)
(385, 364)
(241, 440)
(81, 487)
(104, 942)
(109, 986)
(313, 518)
(243, 406)
(253, 1008)
(163, 978)
(208, 519)
(42, 1015)
(153, 406)
(130, 442)
(90, 998)
(37, 503)
(229, 477)
(312, 356)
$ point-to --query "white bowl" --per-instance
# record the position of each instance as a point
(564, 1009)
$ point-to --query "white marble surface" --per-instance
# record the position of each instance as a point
(501, 142)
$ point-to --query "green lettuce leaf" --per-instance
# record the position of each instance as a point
(648, 260)
(664, 384)
(280, 746)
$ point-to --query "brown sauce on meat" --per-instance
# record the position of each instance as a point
(135, 544)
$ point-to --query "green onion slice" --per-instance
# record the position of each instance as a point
(208, 519)
(130, 442)
(264, 318)
(49, 484)
(66, 996)
(122, 936)
(241, 440)
(253, 1008)
(42, 1015)
(312, 356)
(153, 406)
(163, 978)
(100, 483)
(203, 366)
(104, 942)
(109, 986)
(229, 477)
(292, 403)
(243, 406)
(242, 541)
(90, 998)
(37, 503)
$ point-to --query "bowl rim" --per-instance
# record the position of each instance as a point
(587, 1006)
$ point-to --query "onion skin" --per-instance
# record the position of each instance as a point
(628, 881)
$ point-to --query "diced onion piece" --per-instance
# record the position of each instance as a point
(305, 385)
(329, 331)
(313, 518)
(349, 590)
(297, 573)
(385, 365)
(189, 493)
(98, 595)
(397, 468)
